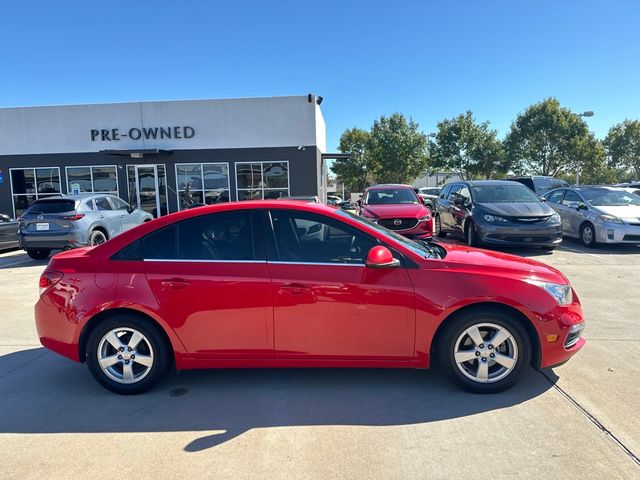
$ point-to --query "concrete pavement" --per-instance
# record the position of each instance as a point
(577, 421)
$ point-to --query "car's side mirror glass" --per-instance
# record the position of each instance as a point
(381, 257)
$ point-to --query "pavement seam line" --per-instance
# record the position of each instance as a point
(629, 453)
(24, 364)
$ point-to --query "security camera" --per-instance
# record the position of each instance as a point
(319, 99)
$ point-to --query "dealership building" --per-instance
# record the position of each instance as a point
(164, 156)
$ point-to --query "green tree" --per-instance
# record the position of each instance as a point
(547, 139)
(398, 149)
(469, 148)
(357, 171)
(622, 145)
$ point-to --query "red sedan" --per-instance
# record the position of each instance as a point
(398, 208)
(291, 284)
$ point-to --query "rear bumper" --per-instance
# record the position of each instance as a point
(52, 242)
(55, 331)
(520, 235)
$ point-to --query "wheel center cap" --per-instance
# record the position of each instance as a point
(126, 355)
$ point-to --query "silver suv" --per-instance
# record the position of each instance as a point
(60, 223)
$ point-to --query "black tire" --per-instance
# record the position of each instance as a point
(456, 329)
(38, 253)
(159, 351)
(97, 237)
(587, 230)
(439, 232)
(471, 236)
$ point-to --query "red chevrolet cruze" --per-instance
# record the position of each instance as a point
(398, 208)
(289, 284)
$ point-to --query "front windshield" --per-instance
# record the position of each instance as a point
(391, 196)
(499, 193)
(603, 197)
(419, 248)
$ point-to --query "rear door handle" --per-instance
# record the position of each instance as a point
(175, 283)
(294, 288)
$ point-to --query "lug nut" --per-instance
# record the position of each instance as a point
(484, 359)
(121, 349)
(481, 345)
(133, 356)
(130, 349)
(490, 347)
(119, 357)
(492, 355)
(477, 354)
(127, 361)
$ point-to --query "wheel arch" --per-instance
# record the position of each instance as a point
(105, 314)
(100, 228)
(507, 309)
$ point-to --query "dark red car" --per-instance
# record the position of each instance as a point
(291, 284)
(398, 208)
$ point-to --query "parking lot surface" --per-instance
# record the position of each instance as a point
(579, 420)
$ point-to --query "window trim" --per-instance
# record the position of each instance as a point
(202, 164)
(91, 167)
(262, 189)
(35, 179)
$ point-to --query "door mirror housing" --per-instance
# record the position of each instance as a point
(582, 206)
(130, 209)
(381, 257)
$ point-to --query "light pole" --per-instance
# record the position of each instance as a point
(429, 137)
(588, 113)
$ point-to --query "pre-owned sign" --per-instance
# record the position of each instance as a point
(151, 133)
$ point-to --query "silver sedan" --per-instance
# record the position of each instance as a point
(597, 214)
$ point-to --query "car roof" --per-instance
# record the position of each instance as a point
(384, 186)
(477, 183)
(76, 197)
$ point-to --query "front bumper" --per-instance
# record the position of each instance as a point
(423, 230)
(560, 334)
(607, 232)
(539, 236)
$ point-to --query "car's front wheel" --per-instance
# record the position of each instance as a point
(472, 235)
(588, 235)
(127, 355)
(38, 253)
(484, 350)
(439, 232)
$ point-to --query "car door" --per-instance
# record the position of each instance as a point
(572, 216)
(210, 278)
(460, 211)
(8, 232)
(554, 200)
(125, 218)
(108, 216)
(327, 303)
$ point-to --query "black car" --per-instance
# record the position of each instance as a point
(496, 212)
(8, 232)
(540, 184)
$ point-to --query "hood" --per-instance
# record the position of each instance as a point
(529, 209)
(467, 258)
(629, 213)
(396, 210)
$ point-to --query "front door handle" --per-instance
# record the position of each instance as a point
(294, 288)
(175, 283)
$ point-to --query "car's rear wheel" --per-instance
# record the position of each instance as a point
(484, 350)
(127, 355)
(471, 235)
(38, 253)
(97, 237)
(439, 232)
(588, 235)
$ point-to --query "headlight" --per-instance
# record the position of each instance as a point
(425, 218)
(610, 218)
(555, 218)
(562, 294)
(494, 218)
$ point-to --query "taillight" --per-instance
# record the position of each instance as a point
(48, 279)
(75, 217)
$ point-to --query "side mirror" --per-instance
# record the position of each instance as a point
(582, 206)
(381, 257)
(458, 201)
(4, 218)
(130, 209)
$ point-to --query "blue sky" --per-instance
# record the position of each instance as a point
(428, 60)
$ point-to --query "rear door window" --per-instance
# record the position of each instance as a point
(51, 206)
(555, 197)
(571, 198)
(102, 203)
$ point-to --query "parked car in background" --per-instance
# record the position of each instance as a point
(8, 232)
(292, 284)
(497, 212)
(429, 196)
(539, 183)
(597, 214)
(334, 200)
(71, 221)
(301, 198)
(398, 208)
(633, 188)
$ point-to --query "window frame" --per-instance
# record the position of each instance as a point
(35, 183)
(203, 189)
(93, 190)
(262, 188)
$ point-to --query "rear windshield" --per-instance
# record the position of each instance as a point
(51, 206)
(505, 193)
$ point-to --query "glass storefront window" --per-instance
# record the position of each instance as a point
(99, 179)
(30, 184)
(202, 183)
(262, 180)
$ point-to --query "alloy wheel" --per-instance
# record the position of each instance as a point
(587, 235)
(98, 238)
(486, 352)
(125, 355)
